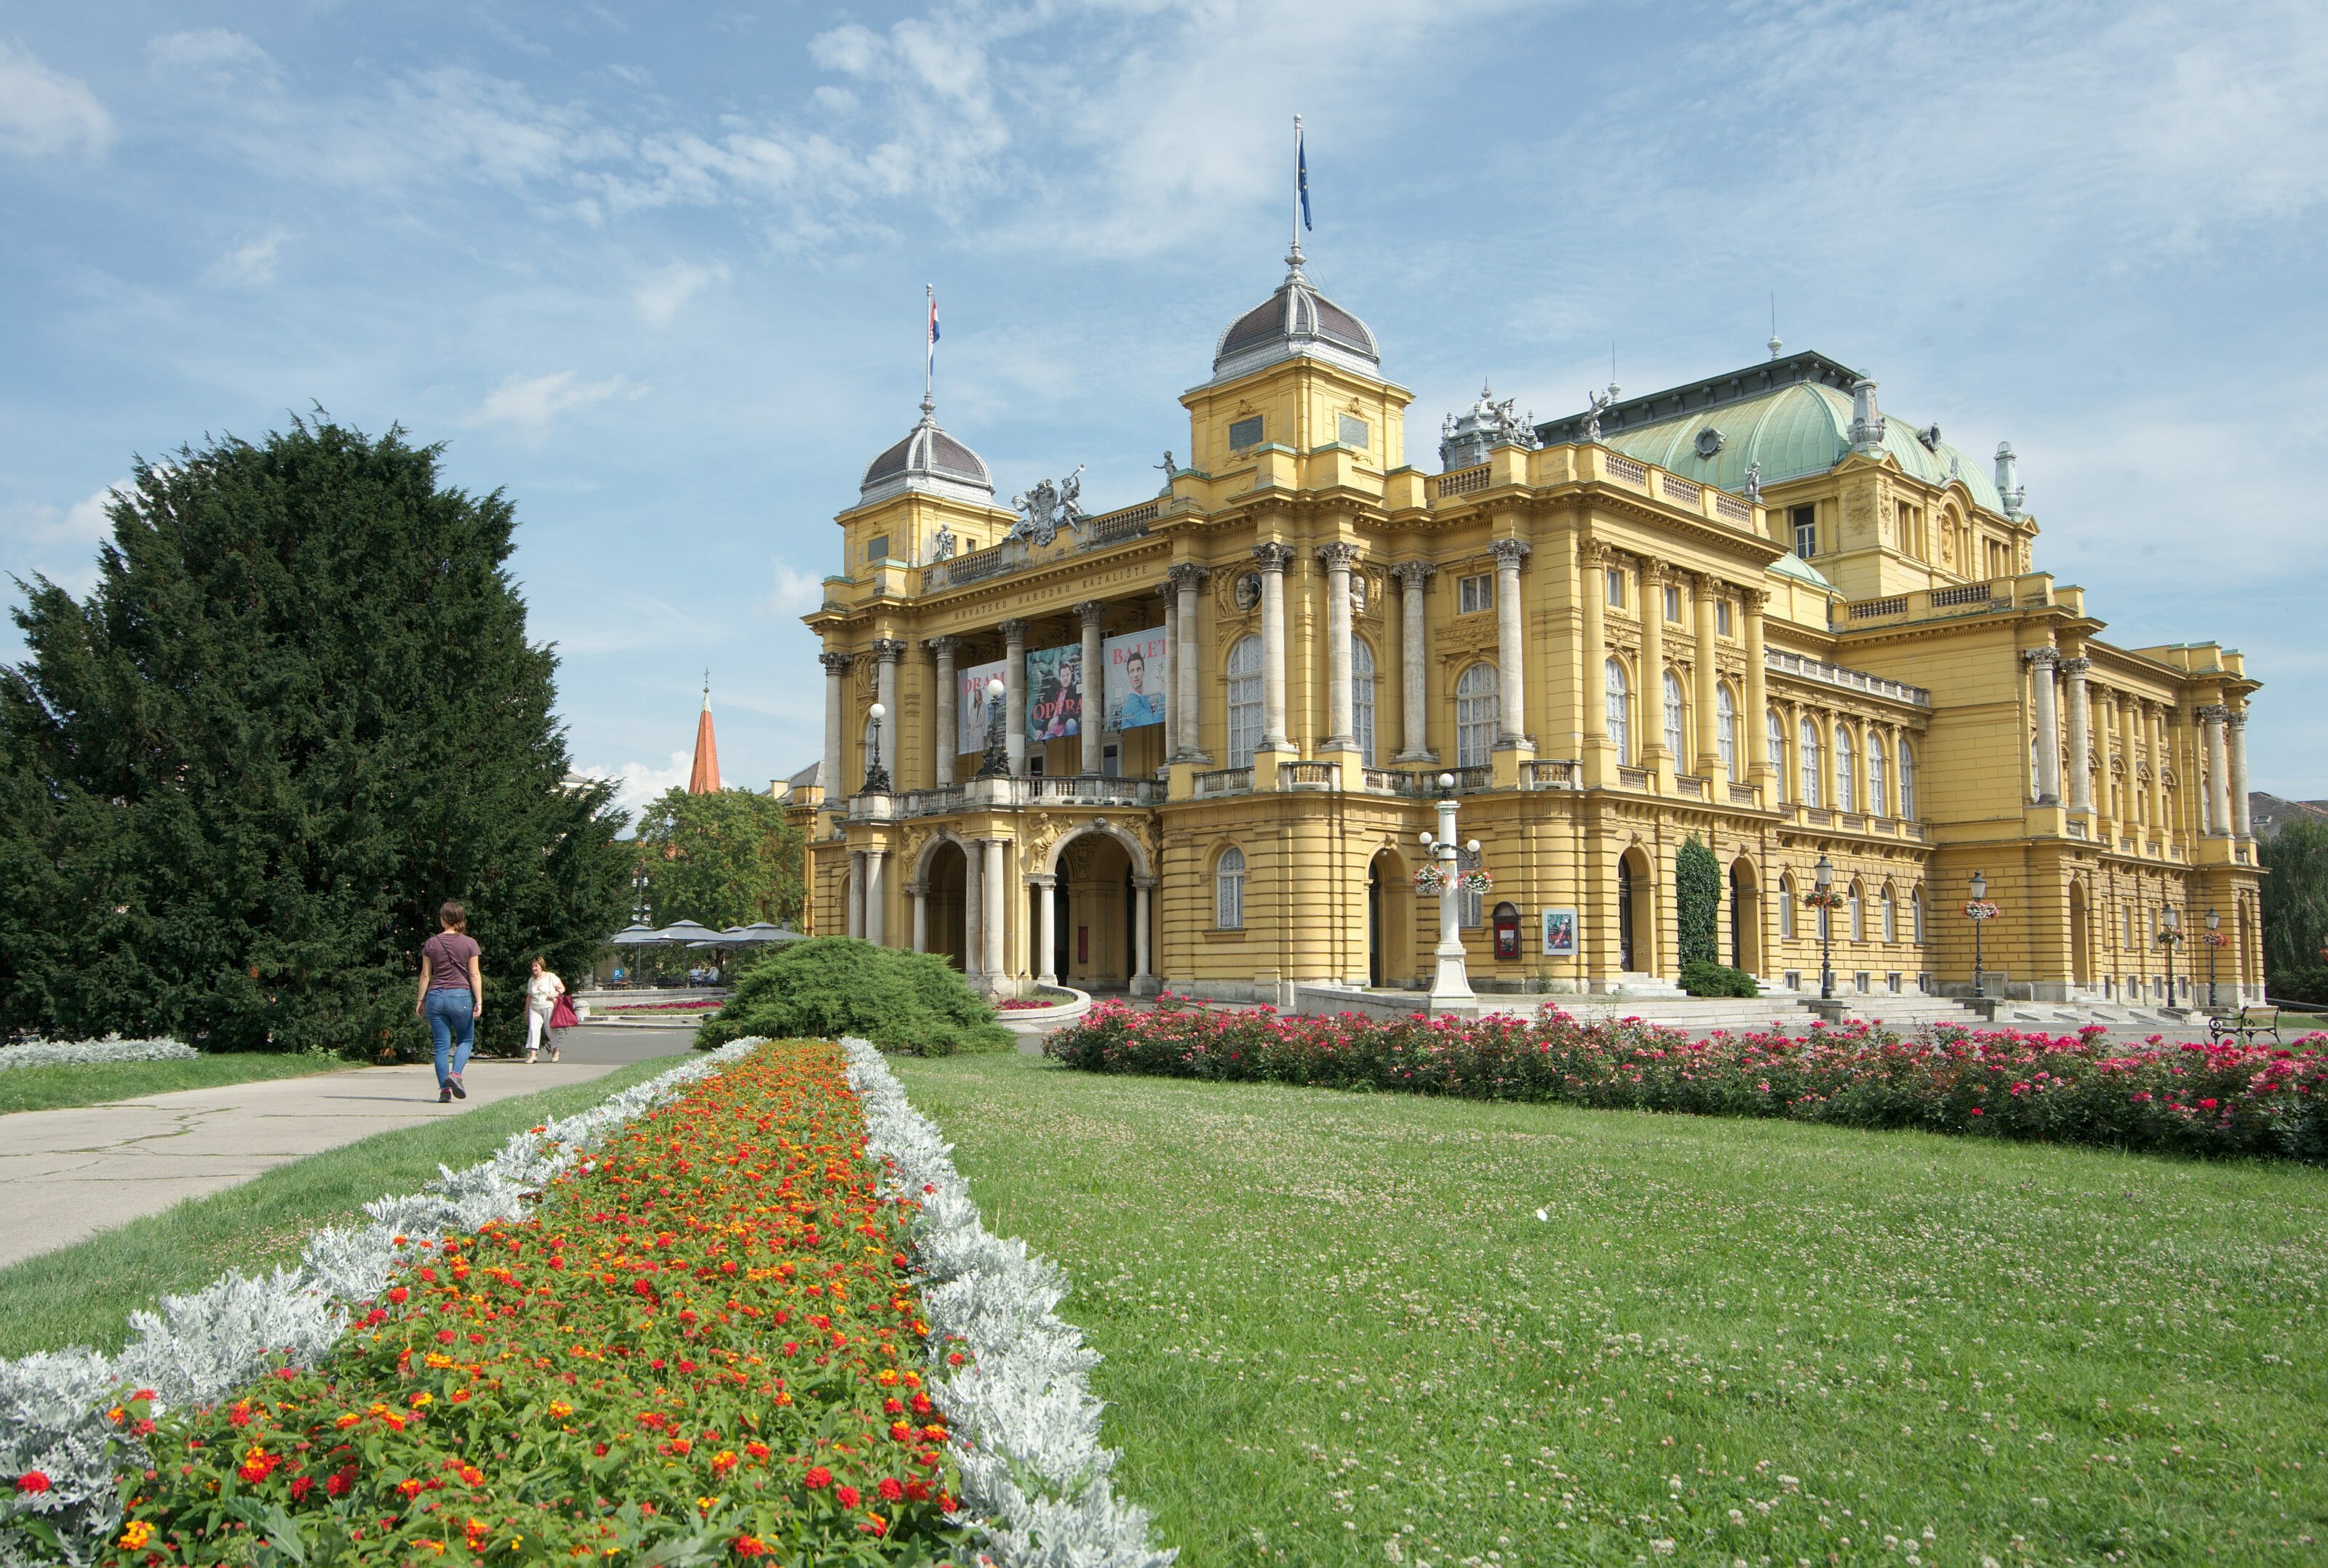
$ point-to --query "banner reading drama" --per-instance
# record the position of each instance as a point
(1139, 672)
(1055, 692)
(970, 704)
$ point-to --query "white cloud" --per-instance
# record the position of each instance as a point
(636, 784)
(667, 289)
(796, 593)
(248, 265)
(531, 404)
(45, 114)
(84, 522)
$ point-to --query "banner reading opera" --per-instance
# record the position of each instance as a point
(1055, 692)
(1138, 672)
(969, 715)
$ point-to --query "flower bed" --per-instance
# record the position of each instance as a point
(2197, 1099)
(691, 1004)
(93, 1052)
(705, 1337)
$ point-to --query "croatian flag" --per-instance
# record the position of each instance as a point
(934, 317)
(1302, 171)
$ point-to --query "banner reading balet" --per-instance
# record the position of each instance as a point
(969, 714)
(1055, 692)
(1138, 672)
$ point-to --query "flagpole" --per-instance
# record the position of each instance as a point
(929, 348)
(1297, 186)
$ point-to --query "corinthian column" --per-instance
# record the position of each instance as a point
(876, 899)
(888, 650)
(1188, 643)
(948, 737)
(2081, 794)
(1341, 720)
(836, 675)
(1755, 721)
(1047, 900)
(1413, 578)
(1592, 584)
(1708, 684)
(1273, 558)
(973, 911)
(1094, 690)
(1649, 706)
(1014, 694)
(2236, 722)
(1511, 656)
(2042, 661)
(996, 910)
(2218, 772)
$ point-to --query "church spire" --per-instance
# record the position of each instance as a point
(703, 778)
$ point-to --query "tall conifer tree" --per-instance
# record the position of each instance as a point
(297, 710)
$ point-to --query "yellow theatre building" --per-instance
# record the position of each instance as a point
(1755, 609)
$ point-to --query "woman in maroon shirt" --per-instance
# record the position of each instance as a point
(452, 996)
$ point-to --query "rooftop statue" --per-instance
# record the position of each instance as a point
(1048, 507)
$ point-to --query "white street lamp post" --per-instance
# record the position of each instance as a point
(1450, 981)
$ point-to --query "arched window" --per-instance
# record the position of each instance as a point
(1478, 709)
(1808, 744)
(1228, 890)
(1245, 701)
(1846, 771)
(1362, 697)
(1916, 916)
(1776, 744)
(1787, 907)
(1891, 910)
(1675, 746)
(1857, 901)
(1907, 783)
(1725, 730)
(1877, 777)
(1618, 691)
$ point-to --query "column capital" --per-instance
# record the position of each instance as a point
(1341, 554)
(836, 663)
(1272, 556)
(1511, 552)
(2211, 713)
(1042, 879)
(1755, 600)
(1188, 576)
(1413, 574)
(942, 646)
(1592, 552)
(1145, 883)
(1014, 630)
(1090, 610)
(888, 650)
(2237, 718)
(2046, 655)
(917, 889)
(2076, 669)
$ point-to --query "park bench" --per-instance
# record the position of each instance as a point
(2246, 1023)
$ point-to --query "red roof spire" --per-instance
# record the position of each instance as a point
(704, 777)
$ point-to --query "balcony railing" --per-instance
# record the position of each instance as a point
(1463, 481)
(1743, 794)
(1309, 775)
(1553, 775)
(1115, 528)
(1818, 817)
(1676, 487)
(1085, 789)
(1834, 674)
(1619, 466)
(1690, 785)
(1730, 507)
(1632, 778)
(1225, 781)
(935, 802)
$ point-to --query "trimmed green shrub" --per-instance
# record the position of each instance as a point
(910, 1003)
(1700, 978)
(1697, 901)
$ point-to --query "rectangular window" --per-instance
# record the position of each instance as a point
(1673, 605)
(877, 547)
(1353, 431)
(1722, 618)
(1616, 587)
(1244, 433)
(1806, 521)
(1035, 766)
(1475, 593)
(1111, 763)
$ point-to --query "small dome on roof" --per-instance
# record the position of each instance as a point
(1295, 321)
(928, 459)
(1793, 565)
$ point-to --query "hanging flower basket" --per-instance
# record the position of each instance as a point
(1830, 900)
(1430, 881)
(1477, 880)
(1981, 909)
(2216, 940)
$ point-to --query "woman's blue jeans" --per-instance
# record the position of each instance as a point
(452, 1019)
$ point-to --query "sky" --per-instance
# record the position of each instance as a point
(657, 271)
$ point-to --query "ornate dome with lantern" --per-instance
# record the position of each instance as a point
(1296, 321)
(931, 460)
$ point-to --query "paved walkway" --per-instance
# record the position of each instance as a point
(70, 1174)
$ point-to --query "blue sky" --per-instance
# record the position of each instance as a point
(658, 270)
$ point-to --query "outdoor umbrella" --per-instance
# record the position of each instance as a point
(635, 936)
(686, 931)
(760, 931)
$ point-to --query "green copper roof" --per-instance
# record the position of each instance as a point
(1793, 430)
(1793, 565)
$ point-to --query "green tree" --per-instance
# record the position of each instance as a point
(2295, 897)
(1697, 901)
(296, 711)
(727, 858)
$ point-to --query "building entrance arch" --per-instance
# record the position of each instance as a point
(1745, 917)
(2081, 938)
(1094, 900)
(1636, 940)
(944, 877)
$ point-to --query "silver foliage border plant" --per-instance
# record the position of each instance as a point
(1025, 1422)
(199, 1348)
(93, 1052)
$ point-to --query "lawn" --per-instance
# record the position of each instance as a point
(47, 1089)
(1338, 1331)
(82, 1294)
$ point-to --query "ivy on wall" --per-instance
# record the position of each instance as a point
(1697, 901)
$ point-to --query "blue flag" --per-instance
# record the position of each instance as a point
(1301, 176)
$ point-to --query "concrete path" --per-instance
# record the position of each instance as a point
(68, 1174)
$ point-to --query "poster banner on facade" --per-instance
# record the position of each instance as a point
(1055, 692)
(1559, 933)
(1138, 672)
(970, 704)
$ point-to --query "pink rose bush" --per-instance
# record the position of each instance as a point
(2200, 1099)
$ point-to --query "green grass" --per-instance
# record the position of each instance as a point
(49, 1088)
(82, 1294)
(1336, 1330)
